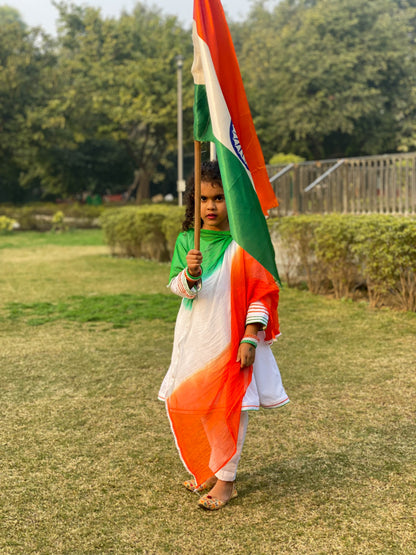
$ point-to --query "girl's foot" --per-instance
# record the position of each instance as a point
(222, 491)
(219, 496)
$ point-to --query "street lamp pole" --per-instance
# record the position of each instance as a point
(181, 182)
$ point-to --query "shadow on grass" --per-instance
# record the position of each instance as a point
(377, 455)
(119, 310)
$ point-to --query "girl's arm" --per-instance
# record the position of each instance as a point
(246, 351)
(187, 282)
(256, 320)
(179, 285)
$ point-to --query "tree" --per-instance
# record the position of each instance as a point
(9, 15)
(329, 78)
(24, 55)
(116, 81)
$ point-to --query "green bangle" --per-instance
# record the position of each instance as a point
(251, 341)
(190, 277)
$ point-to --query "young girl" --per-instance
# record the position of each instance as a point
(222, 365)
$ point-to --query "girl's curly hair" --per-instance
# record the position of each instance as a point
(210, 173)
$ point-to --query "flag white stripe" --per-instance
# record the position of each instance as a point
(204, 73)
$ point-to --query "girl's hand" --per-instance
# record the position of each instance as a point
(194, 261)
(246, 351)
(246, 354)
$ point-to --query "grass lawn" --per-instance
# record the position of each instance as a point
(88, 462)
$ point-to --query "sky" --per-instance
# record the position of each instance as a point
(43, 13)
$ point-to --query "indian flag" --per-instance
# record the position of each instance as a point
(222, 115)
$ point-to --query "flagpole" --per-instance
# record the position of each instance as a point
(197, 180)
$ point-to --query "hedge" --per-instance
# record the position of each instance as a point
(6, 225)
(342, 254)
(145, 231)
(39, 216)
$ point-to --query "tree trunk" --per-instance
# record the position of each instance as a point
(143, 189)
(133, 186)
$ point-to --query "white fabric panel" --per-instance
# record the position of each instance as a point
(266, 388)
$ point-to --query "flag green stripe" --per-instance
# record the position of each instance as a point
(248, 225)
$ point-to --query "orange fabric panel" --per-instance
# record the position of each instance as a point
(258, 285)
(205, 413)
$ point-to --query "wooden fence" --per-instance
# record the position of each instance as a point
(383, 184)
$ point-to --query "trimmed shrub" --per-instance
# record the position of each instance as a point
(144, 231)
(284, 159)
(386, 248)
(344, 251)
(333, 246)
(83, 216)
(6, 225)
(30, 219)
(58, 221)
(38, 217)
(295, 236)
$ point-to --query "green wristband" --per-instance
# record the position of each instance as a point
(251, 341)
(190, 277)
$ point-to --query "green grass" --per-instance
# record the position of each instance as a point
(118, 310)
(71, 238)
(88, 463)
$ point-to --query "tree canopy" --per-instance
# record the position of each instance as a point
(95, 108)
(25, 58)
(9, 15)
(116, 84)
(337, 79)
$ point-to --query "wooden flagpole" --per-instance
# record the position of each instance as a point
(197, 179)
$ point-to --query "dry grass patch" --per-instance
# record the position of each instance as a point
(88, 460)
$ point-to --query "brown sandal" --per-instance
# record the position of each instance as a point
(191, 486)
(212, 504)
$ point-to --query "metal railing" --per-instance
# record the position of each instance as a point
(384, 184)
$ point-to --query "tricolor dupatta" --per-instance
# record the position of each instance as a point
(205, 385)
(222, 115)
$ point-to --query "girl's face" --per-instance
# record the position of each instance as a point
(213, 207)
